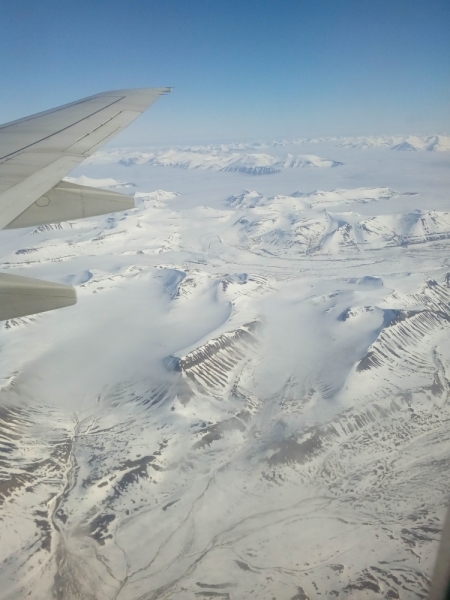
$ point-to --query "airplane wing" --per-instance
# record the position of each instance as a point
(35, 154)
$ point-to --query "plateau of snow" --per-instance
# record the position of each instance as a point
(251, 397)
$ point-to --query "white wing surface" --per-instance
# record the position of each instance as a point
(38, 151)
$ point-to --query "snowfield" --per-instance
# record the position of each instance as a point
(251, 397)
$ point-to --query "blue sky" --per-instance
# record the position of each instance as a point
(248, 69)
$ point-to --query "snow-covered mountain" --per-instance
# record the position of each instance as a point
(250, 399)
(436, 143)
(214, 158)
(255, 158)
(297, 224)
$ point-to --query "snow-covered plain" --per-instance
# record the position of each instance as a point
(251, 397)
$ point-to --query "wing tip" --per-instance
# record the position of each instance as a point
(155, 90)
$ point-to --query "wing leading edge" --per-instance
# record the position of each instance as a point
(35, 154)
